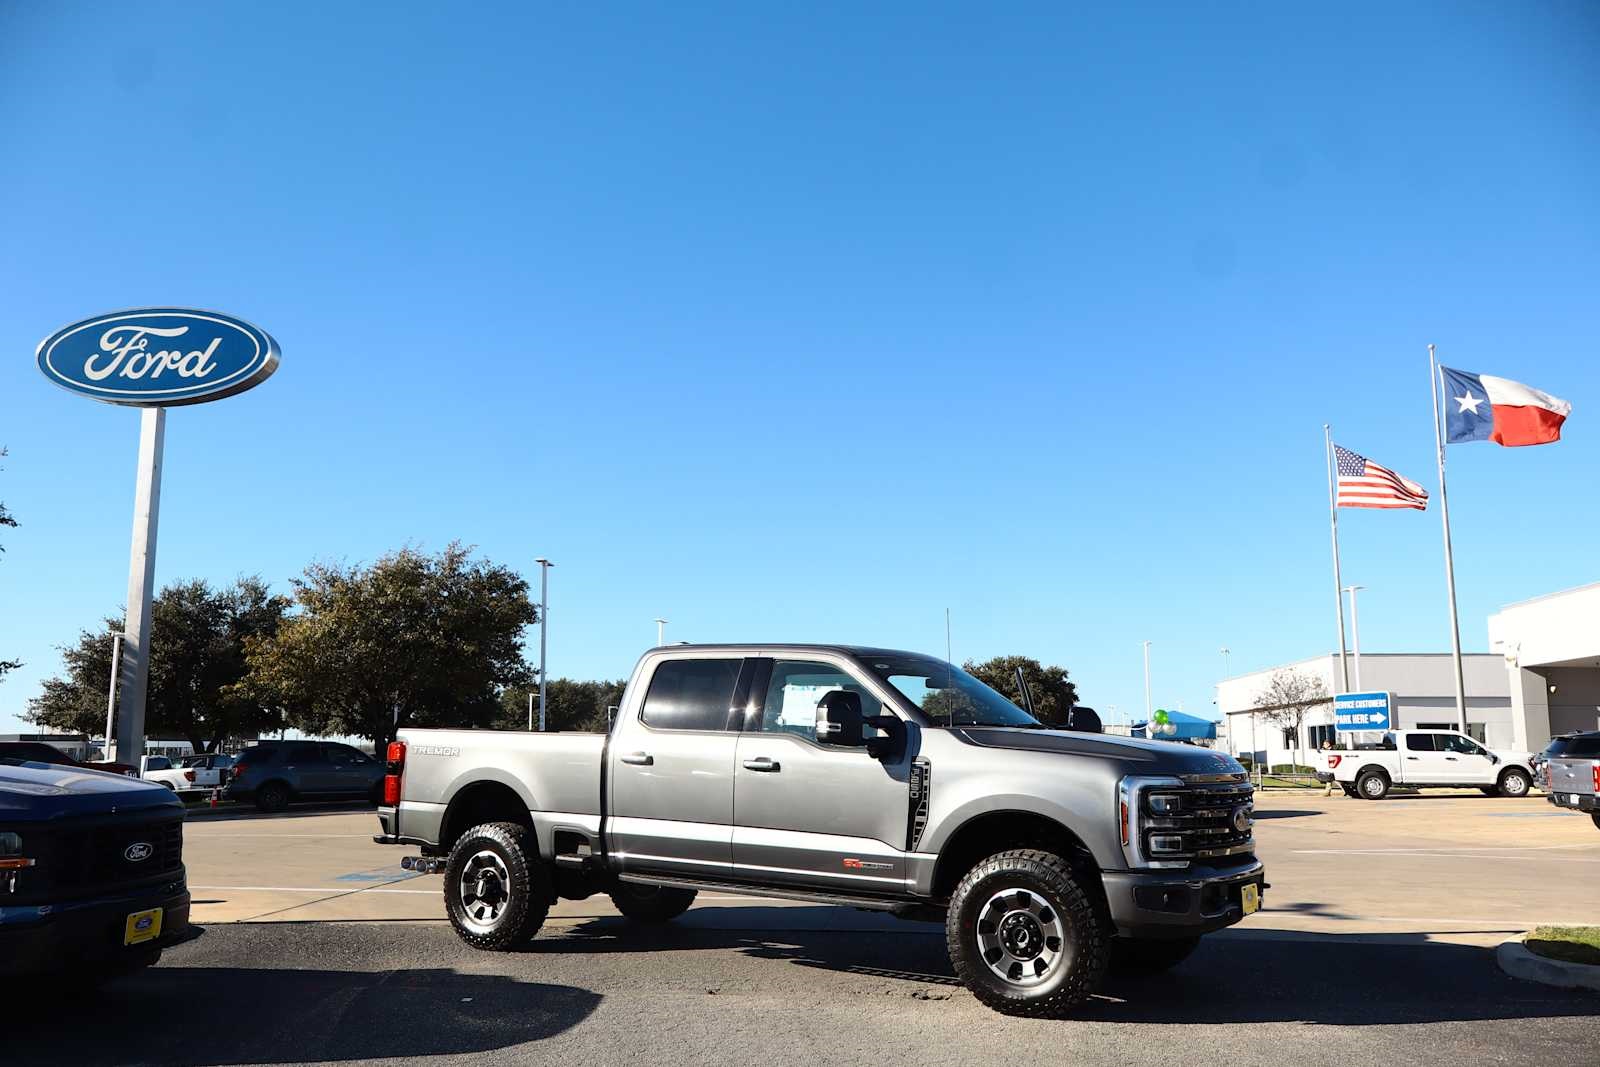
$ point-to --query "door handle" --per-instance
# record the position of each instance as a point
(1411, 757)
(638, 759)
(1452, 759)
(761, 763)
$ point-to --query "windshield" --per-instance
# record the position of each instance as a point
(947, 695)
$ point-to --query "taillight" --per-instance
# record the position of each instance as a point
(1596, 769)
(1333, 761)
(188, 776)
(395, 767)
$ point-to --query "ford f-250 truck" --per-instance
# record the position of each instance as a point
(1428, 758)
(854, 776)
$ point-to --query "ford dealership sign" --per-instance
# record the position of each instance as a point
(158, 357)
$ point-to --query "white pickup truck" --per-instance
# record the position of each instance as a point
(205, 771)
(1428, 758)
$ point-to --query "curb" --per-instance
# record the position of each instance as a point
(1516, 960)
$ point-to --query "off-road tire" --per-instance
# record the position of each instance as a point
(527, 891)
(1514, 782)
(1082, 964)
(1372, 785)
(1136, 956)
(272, 796)
(651, 903)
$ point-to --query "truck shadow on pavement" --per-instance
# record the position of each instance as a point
(224, 1015)
(1340, 980)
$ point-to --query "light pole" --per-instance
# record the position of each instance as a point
(1148, 707)
(544, 628)
(661, 632)
(1355, 629)
(111, 696)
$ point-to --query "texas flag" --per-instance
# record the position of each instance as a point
(1481, 407)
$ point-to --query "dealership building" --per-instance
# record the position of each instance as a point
(1542, 678)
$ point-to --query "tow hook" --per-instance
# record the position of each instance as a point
(423, 864)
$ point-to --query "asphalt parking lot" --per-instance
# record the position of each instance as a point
(1375, 945)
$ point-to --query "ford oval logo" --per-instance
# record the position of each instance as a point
(1241, 820)
(158, 357)
(138, 852)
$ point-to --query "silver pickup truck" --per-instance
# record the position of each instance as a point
(855, 776)
(1571, 772)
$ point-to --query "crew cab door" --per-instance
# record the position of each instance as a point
(670, 769)
(1466, 761)
(821, 816)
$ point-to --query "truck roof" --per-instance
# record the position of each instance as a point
(861, 651)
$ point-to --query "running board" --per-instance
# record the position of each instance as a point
(812, 896)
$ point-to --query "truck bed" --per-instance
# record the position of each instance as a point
(556, 776)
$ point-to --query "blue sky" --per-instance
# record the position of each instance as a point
(808, 325)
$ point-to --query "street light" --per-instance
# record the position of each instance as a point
(1148, 707)
(661, 632)
(544, 629)
(1355, 629)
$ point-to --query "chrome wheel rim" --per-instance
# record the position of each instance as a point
(1021, 937)
(485, 889)
(1516, 785)
(1373, 786)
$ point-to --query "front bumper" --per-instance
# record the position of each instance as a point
(1179, 903)
(87, 934)
(1574, 801)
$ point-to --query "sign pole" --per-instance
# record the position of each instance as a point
(1449, 557)
(111, 697)
(141, 586)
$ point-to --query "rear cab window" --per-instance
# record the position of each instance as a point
(691, 694)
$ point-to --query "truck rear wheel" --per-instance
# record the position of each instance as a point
(1130, 956)
(651, 903)
(496, 888)
(1514, 783)
(1025, 936)
(1373, 785)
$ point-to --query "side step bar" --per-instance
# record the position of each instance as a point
(871, 903)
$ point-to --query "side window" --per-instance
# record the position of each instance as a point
(796, 687)
(305, 754)
(690, 694)
(346, 754)
(1460, 745)
(1420, 742)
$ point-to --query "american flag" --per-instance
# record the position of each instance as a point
(1364, 484)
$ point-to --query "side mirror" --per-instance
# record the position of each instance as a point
(839, 720)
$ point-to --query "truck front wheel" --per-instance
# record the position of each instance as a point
(651, 903)
(1025, 936)
(1514, 783)
(1373, 785)
(496, 889)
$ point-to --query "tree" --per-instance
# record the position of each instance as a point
(197, 660)
(1286, 699)
(573, 705)
(413, 640)
(6, 519)
(1053, 694)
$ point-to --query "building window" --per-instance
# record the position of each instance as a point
(1289, 740)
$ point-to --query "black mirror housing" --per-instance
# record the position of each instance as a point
(839, 719)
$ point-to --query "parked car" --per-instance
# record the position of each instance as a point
(274, 774)
(862, 777)
(191, 773)
(39, 752)
(1429, 758)
(92, 883)
(1572, 773)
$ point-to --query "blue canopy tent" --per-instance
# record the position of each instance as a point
(1186, 728)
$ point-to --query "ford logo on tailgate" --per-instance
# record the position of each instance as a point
(138, 852)
(158, 357)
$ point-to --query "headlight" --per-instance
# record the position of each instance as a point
(1137, 798)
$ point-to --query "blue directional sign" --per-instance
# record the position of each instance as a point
(1362, 711)
(158, 357)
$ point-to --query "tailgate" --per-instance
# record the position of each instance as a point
(1575, 776)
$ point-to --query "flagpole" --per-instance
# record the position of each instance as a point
(1338, 586)
(1449, 556)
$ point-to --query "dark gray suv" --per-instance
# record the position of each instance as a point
(276, 773)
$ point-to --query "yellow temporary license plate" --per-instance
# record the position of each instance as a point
(142, 926)
(1250, 897)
